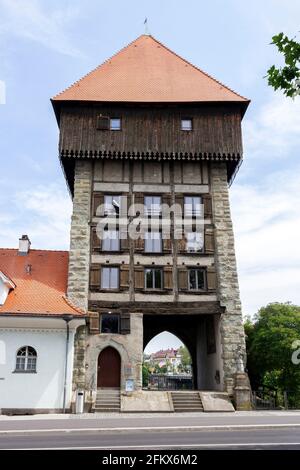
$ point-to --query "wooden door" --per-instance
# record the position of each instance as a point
(109, 368)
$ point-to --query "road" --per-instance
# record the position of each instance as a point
(248, 430)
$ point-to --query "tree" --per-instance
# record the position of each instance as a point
(286, 78)
(186, 360)
(270, 340)
(145, 373)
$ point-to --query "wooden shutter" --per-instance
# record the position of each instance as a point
(211, 278)
(182, 278)
(181, 244)
(167, 245)
(96, 241)
(139, 280)
(95, 277)
(103, 123)
(139, 243)
(209, 240)
(168, 277)
(98, 200)
(94, 323)
(206, 198)
(139, 199)
(124, 242)
(125, 323)
(124, 277)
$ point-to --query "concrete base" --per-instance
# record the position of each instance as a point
(242, 392)
(146, 401)
(216, 402)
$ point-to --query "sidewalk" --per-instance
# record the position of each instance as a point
(137, 421)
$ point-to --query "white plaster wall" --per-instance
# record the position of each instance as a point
(43, 389)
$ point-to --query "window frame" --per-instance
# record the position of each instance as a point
(185, 129)
(193, 211)
(117, 315)
(202, 289)
(151, 212)
(115, 128)
(112, 212)
(195, 234)
(147, 240)
(110, 240)
(153, 288)
(27, 356)
(102, 278)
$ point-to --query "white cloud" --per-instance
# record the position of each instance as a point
(267, 226)
(275, 130)
(42, 213)
(31, 20)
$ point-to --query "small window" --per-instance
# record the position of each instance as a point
(115, 124)
(110, 323)
(194, 242)
(102, 123)
(153, 278)
(112, 204)
(192, 206)
(196, 279)
(186, 124)
(111, 240)
(153, 242)
(26, 359)
(152, 205)
(110, 278)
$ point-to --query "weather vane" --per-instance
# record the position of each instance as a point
(146, 26)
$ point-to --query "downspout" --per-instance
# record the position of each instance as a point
(67, 319)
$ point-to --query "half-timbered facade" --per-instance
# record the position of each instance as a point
(145, 138)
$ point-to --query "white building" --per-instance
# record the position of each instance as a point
(37, 328)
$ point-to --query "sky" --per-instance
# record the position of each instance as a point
(47, 45)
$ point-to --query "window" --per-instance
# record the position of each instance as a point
(152, 205)
(110, 323)
(153, 242)
(26, 359)
(192, 206)
(186, 124)
(111, 240)
(110, 278)
(115, 124)
(153, 278)
(194, 242)
(111, 204)
(196, 279)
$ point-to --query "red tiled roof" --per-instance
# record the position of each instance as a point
(147, 71)
(41, 283)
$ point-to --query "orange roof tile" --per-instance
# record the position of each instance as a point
(147, 71)
(41, 283)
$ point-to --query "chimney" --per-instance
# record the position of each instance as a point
(24, 245)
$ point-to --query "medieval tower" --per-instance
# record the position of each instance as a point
(148, 131)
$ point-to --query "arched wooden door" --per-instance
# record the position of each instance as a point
(109, 368)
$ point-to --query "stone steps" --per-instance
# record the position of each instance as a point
(186, 401)
(107, 400)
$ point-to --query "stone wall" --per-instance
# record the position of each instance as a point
(79, 257)
(232, 331)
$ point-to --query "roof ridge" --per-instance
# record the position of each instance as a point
(37, 249)
(98, 66)
(197, 68)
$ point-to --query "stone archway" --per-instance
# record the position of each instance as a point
(109, 368)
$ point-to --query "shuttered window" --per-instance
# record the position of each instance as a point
(194, 242)
(152, 205)
(115, 124)
(110, 323)
(112, 204)
(153, 278)
(153, 242)
(192, 206)
(110, 278)
(102, 123)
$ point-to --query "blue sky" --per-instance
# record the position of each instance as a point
(45, 46)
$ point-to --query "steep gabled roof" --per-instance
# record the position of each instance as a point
(147, 71)
(40, 280)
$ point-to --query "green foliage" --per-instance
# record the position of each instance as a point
(146, 373)
(185, 356)
(269, 340)
(286, 78)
